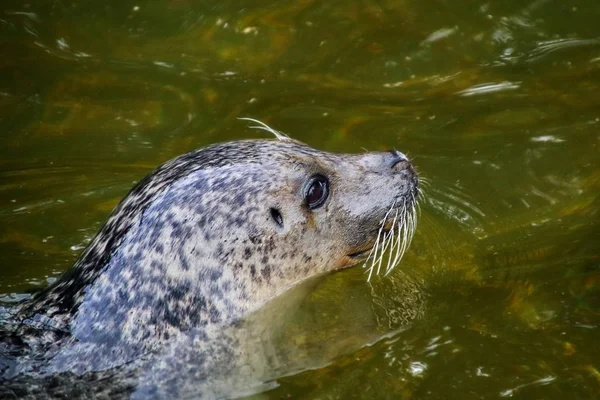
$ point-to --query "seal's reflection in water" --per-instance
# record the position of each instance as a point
(287, 336)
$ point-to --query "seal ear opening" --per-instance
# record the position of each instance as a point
(276, 215)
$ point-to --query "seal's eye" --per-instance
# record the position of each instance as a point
(317, 192)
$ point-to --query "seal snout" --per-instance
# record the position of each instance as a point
(397, 157)
(400, 164)
(398, 161)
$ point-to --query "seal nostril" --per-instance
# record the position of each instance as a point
(397, 157)
(276, 215)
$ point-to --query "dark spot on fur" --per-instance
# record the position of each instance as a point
(215, 274)
(185, 265)
(136, 257)
(178, 292)
(226, 286)
(255, 238)
(214, 314)
(239, 221)
(270, 246)
(266, 273)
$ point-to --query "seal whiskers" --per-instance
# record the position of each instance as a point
(380, 241)
(396, 240)
(408, 226)
(392, 244)
(264, 127)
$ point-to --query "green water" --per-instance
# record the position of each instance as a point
(496, 102)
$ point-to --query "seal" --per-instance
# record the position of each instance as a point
(205, 240)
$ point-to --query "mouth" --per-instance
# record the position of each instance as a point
(360, 255)
(364, 252)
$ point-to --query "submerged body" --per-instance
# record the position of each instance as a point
(202, 242)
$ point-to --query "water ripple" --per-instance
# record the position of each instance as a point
(545, 48)
(491, 87)
(457, 206)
